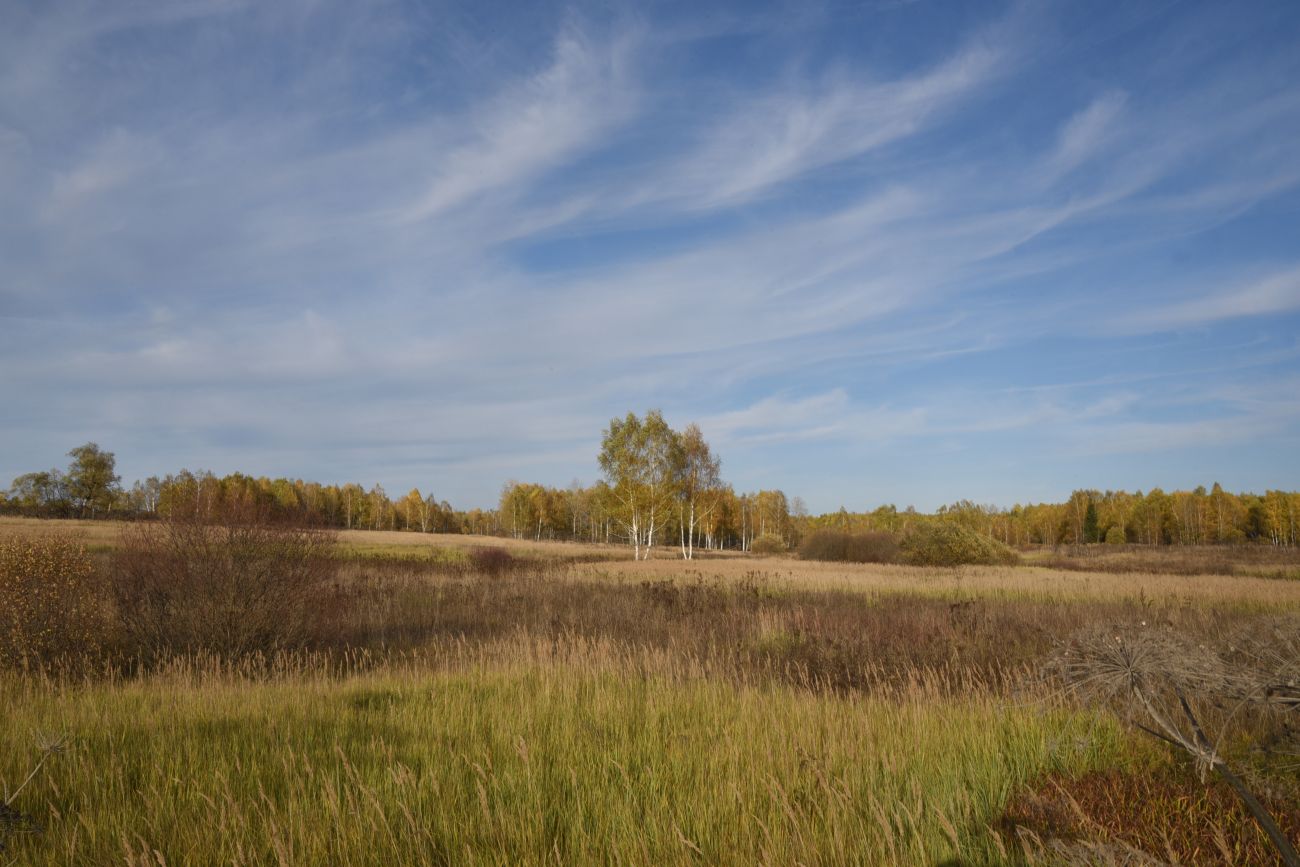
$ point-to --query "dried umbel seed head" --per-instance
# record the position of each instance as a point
(1110, 662)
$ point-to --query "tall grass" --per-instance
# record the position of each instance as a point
(534, 753)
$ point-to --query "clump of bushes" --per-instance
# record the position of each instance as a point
(231, 583)
(491, 561)
(840, 547)
(1115, 536)
(50, 601)
(768, 543)
(946, 544)
(929, 544)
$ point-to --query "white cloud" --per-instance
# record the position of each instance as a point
(534, 126)
(114, 162)
(777, 137)
(823, 416)
(1278, 292)
(1087, 132)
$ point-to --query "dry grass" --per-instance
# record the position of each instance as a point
(1264, 561)
(751, 624)
(964, 582)
(1166, 575)
(95, 535)
(1155, 808)
(105, 535)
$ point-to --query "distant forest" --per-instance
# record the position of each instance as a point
(704, 510)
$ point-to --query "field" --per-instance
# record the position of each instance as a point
(560, 704)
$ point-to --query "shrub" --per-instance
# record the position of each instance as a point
(946, 544)
(840, 547)
(768, 543)
(229, 584)
(50, 601)
(1115, 536)
(491, 561)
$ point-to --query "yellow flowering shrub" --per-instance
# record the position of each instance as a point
(49, 607)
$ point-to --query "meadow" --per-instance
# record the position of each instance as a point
(486, 701)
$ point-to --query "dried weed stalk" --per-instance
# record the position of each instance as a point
(1166, 684)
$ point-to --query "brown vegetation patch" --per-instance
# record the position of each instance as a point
(1265, 561)
(229, 584)
(1166, 811)
(750, 626)
(839, 547)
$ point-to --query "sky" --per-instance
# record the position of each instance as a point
(881, 252)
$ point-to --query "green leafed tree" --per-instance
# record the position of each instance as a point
(642, 460)
(42, 492)
(91, 480)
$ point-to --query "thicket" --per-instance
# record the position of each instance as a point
(229, 584)
(952, 545)
(768, 543)
(840, 547)
(929, 544)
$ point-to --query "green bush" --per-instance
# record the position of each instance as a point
(51, 606)
(768, 543)
(946, 544)
(1115, 536)
(840, 547)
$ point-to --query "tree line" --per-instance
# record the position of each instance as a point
(659, 487)
(91, 488)
(1157, 517)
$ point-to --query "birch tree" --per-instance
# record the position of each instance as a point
(641, 460)
(700, 473)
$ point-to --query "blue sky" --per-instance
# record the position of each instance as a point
(901, 252)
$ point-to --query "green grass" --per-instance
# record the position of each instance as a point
(524, 762)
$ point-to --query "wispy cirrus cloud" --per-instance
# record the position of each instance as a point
(368, 242)
(1274, 293)
(1087, 132)
(544, 121)
(777, 137)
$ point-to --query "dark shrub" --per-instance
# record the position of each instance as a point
(51, 604)
(840, 547)
(491, 561)
(231, 583)
(945, 544)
